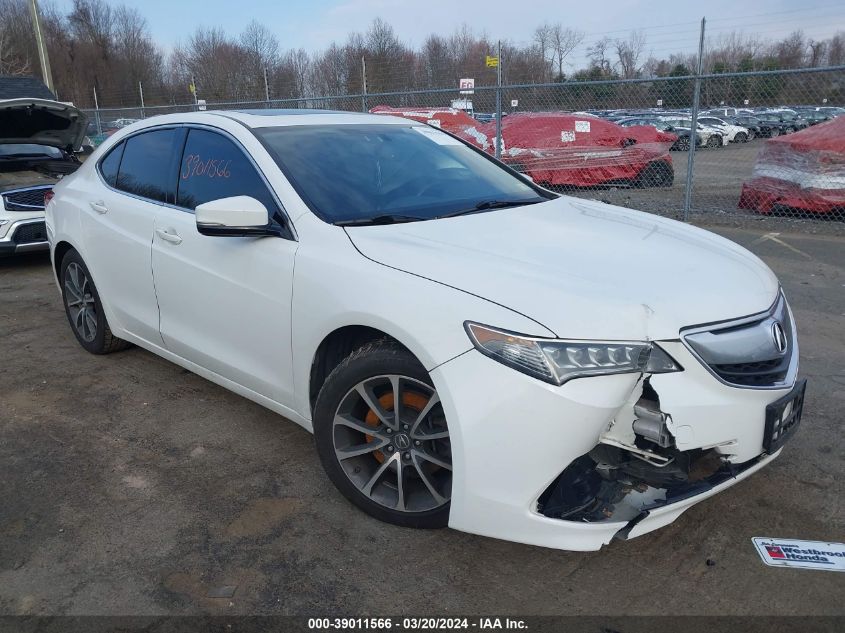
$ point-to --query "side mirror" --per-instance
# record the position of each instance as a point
(233, 217)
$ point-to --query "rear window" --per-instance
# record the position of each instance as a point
(145, 169)
(111, 163)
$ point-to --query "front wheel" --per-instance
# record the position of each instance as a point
(713, 142)
(84, 309)
(382, 437)
(741, 137)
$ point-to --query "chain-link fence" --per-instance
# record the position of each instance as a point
(770, 142)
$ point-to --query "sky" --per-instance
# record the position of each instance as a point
(669, 25)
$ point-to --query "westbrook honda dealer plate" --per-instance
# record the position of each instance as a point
(778, 552)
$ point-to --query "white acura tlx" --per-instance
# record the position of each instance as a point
(468, 348)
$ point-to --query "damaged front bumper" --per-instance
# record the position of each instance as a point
(575, 466)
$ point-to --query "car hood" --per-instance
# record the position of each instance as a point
(582, 269)
(41, 122)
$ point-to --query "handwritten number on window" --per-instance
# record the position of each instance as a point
(195, 166)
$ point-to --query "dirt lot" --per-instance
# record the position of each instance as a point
(131, 486)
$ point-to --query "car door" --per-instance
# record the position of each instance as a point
(224, 301)
(118, 223)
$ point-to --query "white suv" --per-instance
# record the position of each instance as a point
(468, 348)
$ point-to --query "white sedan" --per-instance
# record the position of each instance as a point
(469, 349)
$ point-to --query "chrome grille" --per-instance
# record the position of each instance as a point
(29, 199)
(759, 352)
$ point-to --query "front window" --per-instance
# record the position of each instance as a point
(362, 173)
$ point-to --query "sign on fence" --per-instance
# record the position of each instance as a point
(467, 86)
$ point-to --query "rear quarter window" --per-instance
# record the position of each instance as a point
(111, 163)
(146, 166)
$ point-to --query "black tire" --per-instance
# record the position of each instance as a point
(100, 340)
(657, 173)
(714, 141)
(682, 144)
(774, 132)
(741, 137)
(375, 359)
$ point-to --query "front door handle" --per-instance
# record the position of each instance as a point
(169, 235)
(99, 206)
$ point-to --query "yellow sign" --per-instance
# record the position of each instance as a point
(492, 62)
(192, 88)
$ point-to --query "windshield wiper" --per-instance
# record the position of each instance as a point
(486, 205)
(390, 218)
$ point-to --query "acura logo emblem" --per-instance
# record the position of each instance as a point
(779, 336)
(402, 441)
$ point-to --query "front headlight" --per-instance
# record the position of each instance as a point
(557, 361)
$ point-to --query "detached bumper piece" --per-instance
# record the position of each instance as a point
(609, 485)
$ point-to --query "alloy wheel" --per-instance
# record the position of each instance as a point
(391, 440)
(80, 302)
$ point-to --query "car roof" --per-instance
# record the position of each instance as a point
(286, 117)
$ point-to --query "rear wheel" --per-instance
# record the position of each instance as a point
(714, 141)
(658, 173)
(84, 309)
(682, 144)
(382, 437)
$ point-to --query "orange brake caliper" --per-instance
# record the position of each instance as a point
(410, 400)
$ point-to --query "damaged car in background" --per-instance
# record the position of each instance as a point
(469, 348)
(39, 143)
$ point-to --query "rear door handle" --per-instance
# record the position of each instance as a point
(169, 235)
(99, 206)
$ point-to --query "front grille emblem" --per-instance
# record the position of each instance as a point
(779, 336)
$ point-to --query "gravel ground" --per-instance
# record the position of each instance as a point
(131, 486)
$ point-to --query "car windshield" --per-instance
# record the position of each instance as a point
(28, 151)
(376, 173)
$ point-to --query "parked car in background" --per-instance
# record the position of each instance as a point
(750, 123)
(710, 137)
(681, 144)
(38, 142)
(121, 123)
(733, 133)
(789, 121)
(814, 117)
(468, 348)
(773, 125)
(723, 112)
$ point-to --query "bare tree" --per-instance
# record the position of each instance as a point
(597, 53)
(628, 54)
(817, 52)
(836, 50)
(563, 41)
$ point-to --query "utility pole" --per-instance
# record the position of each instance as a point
(40, 45)
(194, 90)
(364, 84)
(693, 133)
(141, 93)
(499, 100)
(266, 88)
(97, 112)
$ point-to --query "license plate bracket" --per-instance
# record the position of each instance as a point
(783, 417)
